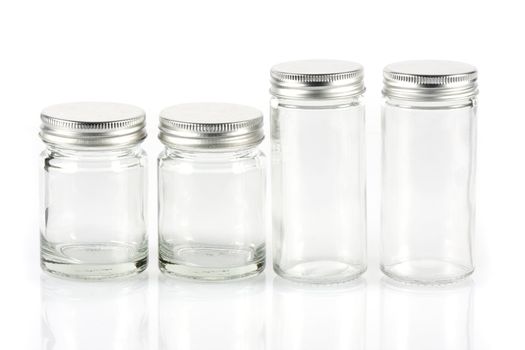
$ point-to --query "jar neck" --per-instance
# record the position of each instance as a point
(316, 103)
(446, 104)
(94, 152)
(212, 154)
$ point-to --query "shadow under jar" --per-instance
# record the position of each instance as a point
(429, 143)
(93, 190)
(211, 191)
(318, 170)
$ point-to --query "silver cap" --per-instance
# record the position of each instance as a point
(429, 80)
(210, 126)
(317, 79)
(93, 124)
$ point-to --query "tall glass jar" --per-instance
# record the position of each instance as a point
(429, 144)
(93, 185)
(211, 191)
(318, 170)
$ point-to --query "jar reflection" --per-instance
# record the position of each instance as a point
(313, 317)
(419, 317)
(78, 315)
(200, 315)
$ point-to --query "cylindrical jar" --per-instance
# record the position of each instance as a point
(211, 191)
(318, 170)
(93, 184)
(429, 146)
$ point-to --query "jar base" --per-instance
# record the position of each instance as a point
(93, 261)
(211, 263)
(427, 271)
(321, 272)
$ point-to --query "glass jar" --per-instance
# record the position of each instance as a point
(211, 191)
(318, 170)
(429, 144)
(93, 198)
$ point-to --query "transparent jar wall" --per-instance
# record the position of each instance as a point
(428, 192)
(318, 179)
(93, 212)
(211, 213)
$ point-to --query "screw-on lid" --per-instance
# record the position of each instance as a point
(93, 124)
(317, 79)
(210, 125)
(430, 80)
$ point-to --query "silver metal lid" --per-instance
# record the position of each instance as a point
(210, 126)
(430, 80)
(93, 124)
(313, 79)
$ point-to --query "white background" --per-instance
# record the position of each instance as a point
(157, 53)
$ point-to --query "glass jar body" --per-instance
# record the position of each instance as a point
(318, 178)
(428, 191)
(93, 212)
(211, 213)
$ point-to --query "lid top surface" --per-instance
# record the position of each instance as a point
(210, 113)
(93, 112)
(430, 68)
(316, 67)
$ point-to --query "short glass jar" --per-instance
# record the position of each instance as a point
(318, 170)
(429, 146)
(211, 191)
(93, 185)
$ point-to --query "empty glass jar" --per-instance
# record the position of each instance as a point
(318, 170)
(93, 190)
(211, 191)
(429, 143)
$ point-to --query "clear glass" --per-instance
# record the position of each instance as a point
(93, 212)
(428, 191)
(415, 317)
(211, 213)
(319, 200)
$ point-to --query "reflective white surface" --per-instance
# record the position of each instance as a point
(200, 316)
(153, 311)
(311, 317)
(421, 317)
(94, 315)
